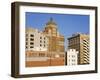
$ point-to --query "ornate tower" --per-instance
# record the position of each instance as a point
(56, 41)
(51, 28)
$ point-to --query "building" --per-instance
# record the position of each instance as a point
(36, 40)
(80, 42)
(36, 47)
(56, 40)
(72, 56)
(45, 48)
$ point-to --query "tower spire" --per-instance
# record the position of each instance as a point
(51, 19)
(51, 22)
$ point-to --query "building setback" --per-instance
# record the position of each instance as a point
(72, 56)
(80, 42)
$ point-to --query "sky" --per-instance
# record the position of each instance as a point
(67, 24)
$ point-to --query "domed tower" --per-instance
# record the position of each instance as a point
(56, 41)
(51, 28)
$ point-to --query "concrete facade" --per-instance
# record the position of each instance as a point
(72, 57)
(80, 42)
(36, 40)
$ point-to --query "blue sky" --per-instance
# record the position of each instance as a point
(67, 24)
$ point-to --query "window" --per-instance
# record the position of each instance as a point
(31, 39)
(40, 37)
(31, 35)
(41, 54)
(73, 64)
(85, 43)
(26, 43)
(26, 47)
(40, 44)
(31, 43)
(31, 47)
(26, 39)
(40, 41)
(26, 35)
(73, 60)
(73, 56)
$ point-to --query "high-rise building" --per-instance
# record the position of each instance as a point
(80, 42)
(72, 56)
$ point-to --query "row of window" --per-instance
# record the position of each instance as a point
(33, 40)
(33, 46)
(71, 56)
(31, 35)
(72, 64)
(31, 43)
(77, 47)
(86, 41)
(74, 41)
(42, 55)
(35, 55)
(72, 60)
(30, 47)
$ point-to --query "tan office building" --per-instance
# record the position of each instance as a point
(80, 42)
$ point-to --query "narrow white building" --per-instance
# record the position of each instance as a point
(72, 57)
(36, 40)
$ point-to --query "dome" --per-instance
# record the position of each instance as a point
(51, 22)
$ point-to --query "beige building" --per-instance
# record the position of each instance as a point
(36, 45)
(80, 42)
(56, 40)
(72, 57)
(36, 40)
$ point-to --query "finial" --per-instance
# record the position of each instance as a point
(51, 22)
(51, 19)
